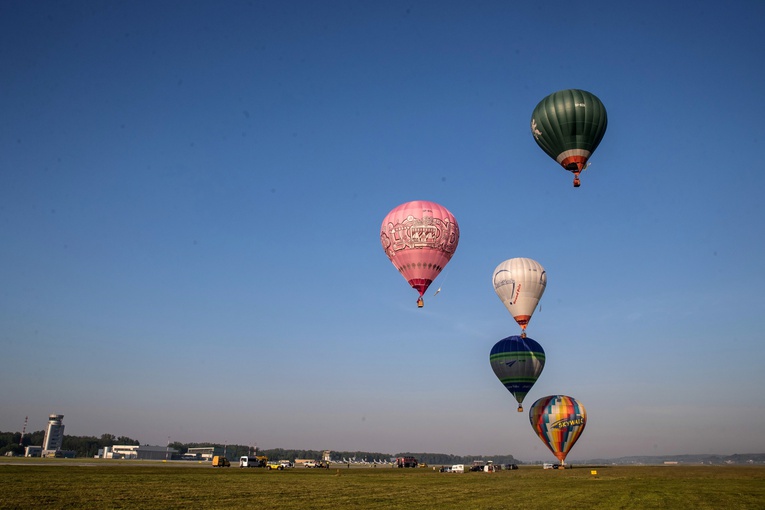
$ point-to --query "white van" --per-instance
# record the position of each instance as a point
(247, 461)
(458, 468)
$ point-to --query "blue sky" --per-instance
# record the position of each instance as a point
(191, 195)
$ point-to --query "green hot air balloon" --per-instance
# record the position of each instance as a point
(568, 125)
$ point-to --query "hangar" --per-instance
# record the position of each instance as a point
(144, 452)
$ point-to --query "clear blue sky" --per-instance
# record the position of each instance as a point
(191, 195)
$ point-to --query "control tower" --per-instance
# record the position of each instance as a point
(54, 434)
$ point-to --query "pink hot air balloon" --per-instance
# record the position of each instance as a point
(420, 238)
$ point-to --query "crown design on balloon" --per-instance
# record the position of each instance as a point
(426, 232)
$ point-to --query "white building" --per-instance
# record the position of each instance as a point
(206, 452)
(33, 451)
(144, 452)
(54, 434)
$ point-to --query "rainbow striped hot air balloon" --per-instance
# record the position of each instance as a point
(558, 420)
(517, 362)
(419, 238)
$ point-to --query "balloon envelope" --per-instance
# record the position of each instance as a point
(419, 238)
(520, 283)
(517, 362)
(558, 420)
(569, 125)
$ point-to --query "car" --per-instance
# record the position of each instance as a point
(275, 465)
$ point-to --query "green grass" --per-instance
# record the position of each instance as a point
(56, 483)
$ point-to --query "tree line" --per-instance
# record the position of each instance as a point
(83, 446)
(88, 446)
(236, 451)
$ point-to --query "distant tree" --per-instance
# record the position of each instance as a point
(180, 447)
(14, 449)
(108, 440)
(6, 438)
(83, 446)
(14, 438)
(34, 438)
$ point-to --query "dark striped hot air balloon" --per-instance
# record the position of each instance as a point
(568, 125)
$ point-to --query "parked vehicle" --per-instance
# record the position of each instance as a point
(478, 465)
(406, 462)
(275, 465)
(316, 464)
(220, 461)
(458, 468)
(246, 461)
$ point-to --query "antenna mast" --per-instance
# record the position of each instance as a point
(23, 431)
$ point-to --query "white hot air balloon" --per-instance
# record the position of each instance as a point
(520, 283)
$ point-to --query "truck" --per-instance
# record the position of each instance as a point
(220, 461)
(406, 462)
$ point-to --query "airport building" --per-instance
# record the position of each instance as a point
(54, 434)
(205, 452)
(142, 452)
(33, 451)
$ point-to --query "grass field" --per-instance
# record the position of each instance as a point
(58, 483)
